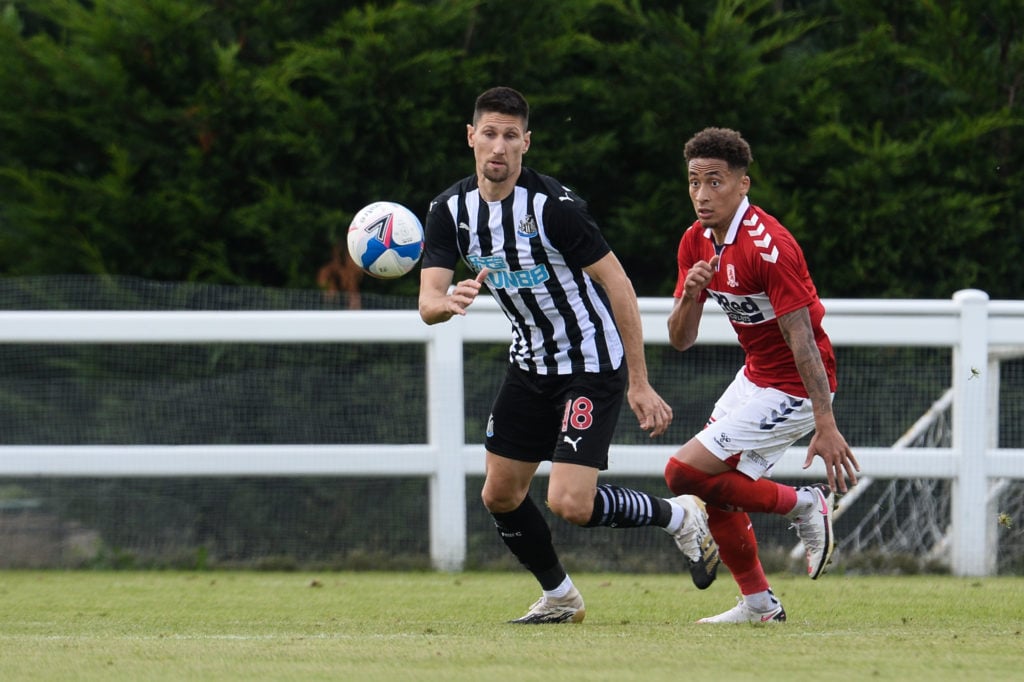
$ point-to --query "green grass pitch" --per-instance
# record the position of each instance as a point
(450, 627)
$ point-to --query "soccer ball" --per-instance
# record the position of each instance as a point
(385, 239)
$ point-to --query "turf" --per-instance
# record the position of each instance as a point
(451, 627)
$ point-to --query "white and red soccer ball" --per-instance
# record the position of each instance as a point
(385, 239)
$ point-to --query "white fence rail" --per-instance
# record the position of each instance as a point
(972, 325)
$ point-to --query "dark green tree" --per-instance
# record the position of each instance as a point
(231, 143)
(909, 176)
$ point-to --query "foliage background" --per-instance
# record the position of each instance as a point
(229, 142)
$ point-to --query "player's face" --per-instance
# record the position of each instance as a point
(716, 191)
(499, 142)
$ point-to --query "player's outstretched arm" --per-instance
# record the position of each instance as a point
(437, 303)
(827, 441)
(652, 412)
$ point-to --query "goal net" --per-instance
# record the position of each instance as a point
(906, 523)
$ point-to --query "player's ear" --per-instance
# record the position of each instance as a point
(469, 134)
(526, 141)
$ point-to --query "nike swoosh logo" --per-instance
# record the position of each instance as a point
(768, 617)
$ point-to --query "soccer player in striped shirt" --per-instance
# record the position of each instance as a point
(577, 348)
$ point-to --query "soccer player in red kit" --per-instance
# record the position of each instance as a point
(751, 266)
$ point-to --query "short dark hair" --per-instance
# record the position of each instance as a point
(719, 143)
(502, 100)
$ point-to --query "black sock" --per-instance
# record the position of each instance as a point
(619, 507)
(525, 532)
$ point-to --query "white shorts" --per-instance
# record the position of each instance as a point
(756, 425)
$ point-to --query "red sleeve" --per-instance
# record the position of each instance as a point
(787, 282)
(688, 254)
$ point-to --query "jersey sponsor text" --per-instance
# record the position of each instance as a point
(744, 309)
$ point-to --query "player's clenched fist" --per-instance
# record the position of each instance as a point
(464, 293)
(699, 275)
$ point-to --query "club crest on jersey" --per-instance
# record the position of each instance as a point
(528, 227)
(730, 275)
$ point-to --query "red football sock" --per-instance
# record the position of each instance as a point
(731, 490)
(738, 548)
(683, 479)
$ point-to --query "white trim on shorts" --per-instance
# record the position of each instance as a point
(757, 423)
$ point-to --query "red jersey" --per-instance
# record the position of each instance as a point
(761, 276)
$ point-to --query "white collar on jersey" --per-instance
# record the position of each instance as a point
(734, 227)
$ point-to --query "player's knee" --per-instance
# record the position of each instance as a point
(576, 512)
(498, 499)
(678, 477)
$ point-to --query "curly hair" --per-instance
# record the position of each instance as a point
(719, 143)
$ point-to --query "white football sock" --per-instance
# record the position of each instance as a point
(678, 515)
(762, 602)
(563, 589)
(805, 501)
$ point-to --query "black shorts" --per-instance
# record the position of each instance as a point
(564, 418)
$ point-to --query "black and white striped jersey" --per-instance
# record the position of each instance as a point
(535, 244)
